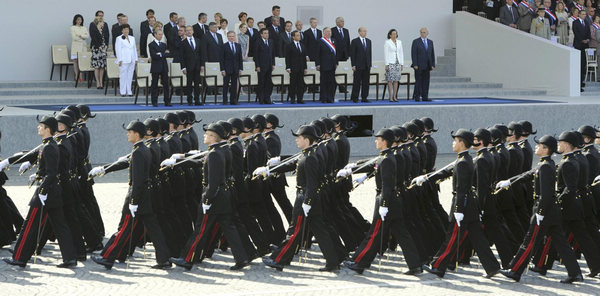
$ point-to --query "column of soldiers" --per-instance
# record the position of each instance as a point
(189, 203)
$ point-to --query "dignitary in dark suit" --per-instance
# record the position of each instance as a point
(295, 64)
(326, 63)
(176, 51)
(581, 39)
(275, 31)
(173, 33)
(286, 38)
(231, 67)
(159, 67)
(509, 14)
(313, 35)
(423, 61)
(276, 11)
(145, 29)
(264, 60)
(253, 34)
(213, 42)
(341, 38)
(298, 26)
(193, 58)
(361, 58)
(168, 27)
(201, 27)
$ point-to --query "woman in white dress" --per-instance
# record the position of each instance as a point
(394, 63)
(125, 48)
(79, 35)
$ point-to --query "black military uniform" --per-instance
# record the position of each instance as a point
(463, 202)
(52, 208)
(548, 210)
(590, 202)
(278, 183)
(515, 167)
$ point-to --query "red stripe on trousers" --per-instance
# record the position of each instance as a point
(460, 243)
(527, 250)
(213, 234)
(545, 252)
(119, 234)
(26, 233)
(127, 239)
(370, 243)
(188, 258)
(291, 240)
(437, 262)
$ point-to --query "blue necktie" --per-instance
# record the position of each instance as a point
(425, 43)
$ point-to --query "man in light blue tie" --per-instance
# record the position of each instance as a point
(231, 67)
(423, 61)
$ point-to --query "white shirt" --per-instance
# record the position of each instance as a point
(392, 51)
(126, 50)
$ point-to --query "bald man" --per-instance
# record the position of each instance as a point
(361, 59)
(423, 61)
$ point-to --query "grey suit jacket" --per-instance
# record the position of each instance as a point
(506, 17)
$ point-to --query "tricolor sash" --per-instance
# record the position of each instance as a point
(329, 44)
(551, 15)
(527, 5)
(578, 6)
(596, 26)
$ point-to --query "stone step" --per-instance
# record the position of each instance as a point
(450, 60)
(43, 83)
(43, 91)
(450, 52)
(482, 92)
(469, 85)
(435, 79)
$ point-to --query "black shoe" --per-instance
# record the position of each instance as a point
(426, 100)
(541, 271)
(572, 279)
(67, 264)
(181, 262)
(293, 103)
(12, 261)
(593, 273)
(271, 263)
(107, 264)
(273, 247)
(511, 275)
(163, 265)
(330, 268)
(168, 105)
(81, 258)
(414, 271)
(154, 104)
(239, 265)
(98, 247)
(492, 274)
(365, 101)
(435, 271)
(354, 266)
(300, 102)
(417, 99)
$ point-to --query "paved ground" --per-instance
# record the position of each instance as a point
(212, 277)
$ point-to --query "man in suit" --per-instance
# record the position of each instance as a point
(145, 29)
(172, 23)
(173, 33)
(313, 35)
(341, 38)
(276, 11)
(213, 42)
(326, 63)
(423, 61)
(550, 15)
(299, 25)
(264, 60)
(176, 52)
(192, 64)
(201, 27)
(159, 67)
(286, 38)
(253, 36)
(231, 67)
(509, 15)
(361, 58)
(275, 35)
(295, 64)
(581, 33)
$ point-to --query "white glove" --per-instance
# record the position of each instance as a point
(24, 166)
(205, 208)
(43, 198)
(18, 153)
(351, 165)
(597, 179)
(306, 209)
(4, 164)
(360, 179)
(123, 158)
(177, 156)
(97, 171)
(32, 177)
(459, 217)
(133, 209)
(343, 173)
(419, 180)
(539, 219)
(194, 151)
(261, 171)
(274, 161)
(168, 162)
(503, 184)
(383, 212)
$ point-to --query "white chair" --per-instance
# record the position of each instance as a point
(84, 62)
(178, 79)
(592, 64)
(142, 79)
(312, 76)
(408, 79)
(213, 77)
(60, 57)
(248, 78)
(112, 74)
(377, 76)
(280, 77)
(344, 76)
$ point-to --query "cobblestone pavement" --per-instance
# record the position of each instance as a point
(213, 277)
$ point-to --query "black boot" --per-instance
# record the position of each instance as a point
(572, 279)
(354, 266)
(181, 262)
(511, 275)
(439, 273)
(107, 264)
(14, 262)
(271, 263)
(67, 264)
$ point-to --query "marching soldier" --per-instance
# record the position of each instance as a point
(546, 220)
(278, 183)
